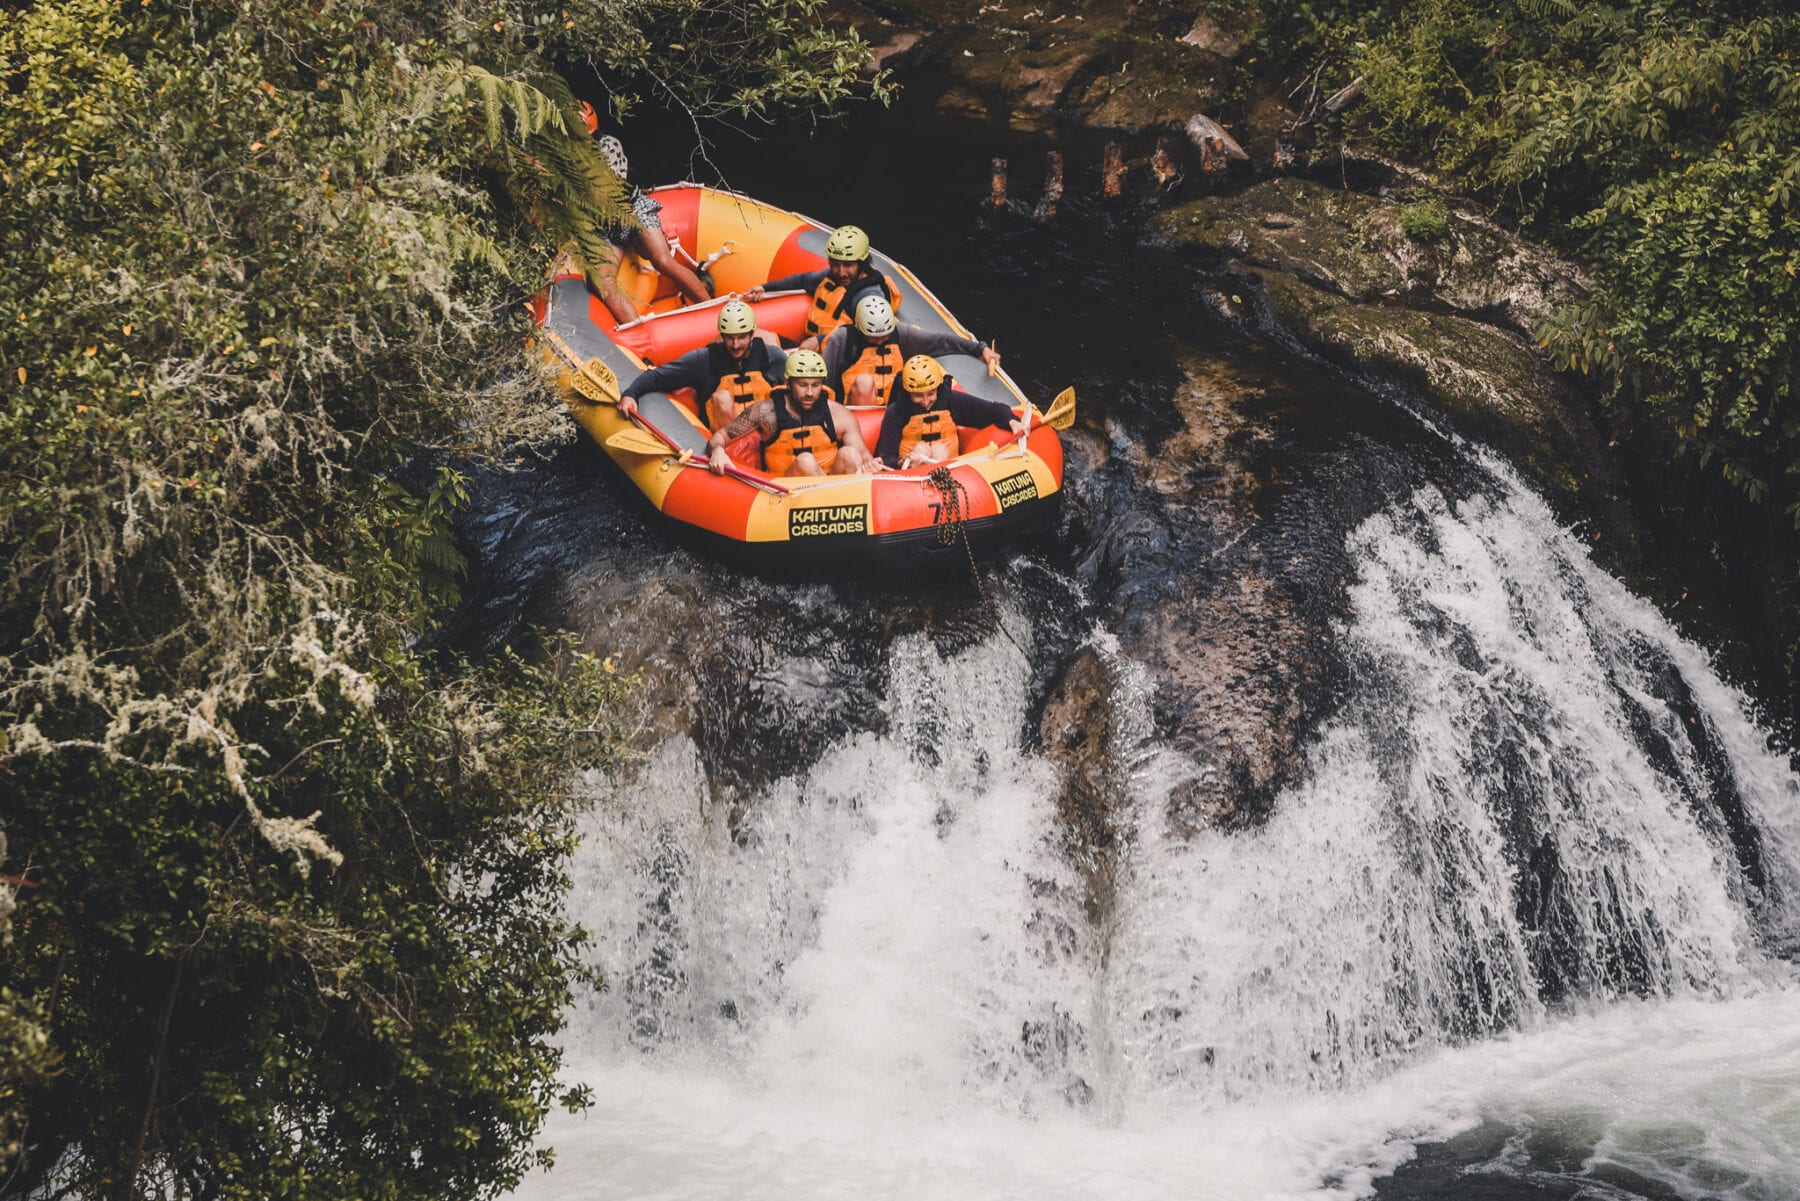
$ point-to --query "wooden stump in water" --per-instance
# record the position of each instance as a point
(997, 184)
(1162, 164)
(1112, 172)
(1053, 187)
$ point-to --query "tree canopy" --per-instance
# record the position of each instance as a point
(287, 883)
(1659, 141)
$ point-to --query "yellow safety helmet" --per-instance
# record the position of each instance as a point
(875, 316)
(805, 364)
(848, 244)
(922, 373)
(736, 317)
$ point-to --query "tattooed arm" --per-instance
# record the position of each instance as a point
(759, 417)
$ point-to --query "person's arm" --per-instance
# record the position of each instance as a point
(972, 412)
(804, 281)
(652, 245)
(688, 371)
(893, 425)
(837, 358)
(777, 369)
(759, 416)
(849, 428)
(914, 340)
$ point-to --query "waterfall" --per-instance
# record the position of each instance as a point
(1537, 822)
(1533, 793)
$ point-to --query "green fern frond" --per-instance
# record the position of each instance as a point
(1544, 10)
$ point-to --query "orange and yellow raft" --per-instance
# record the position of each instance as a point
(999, 486)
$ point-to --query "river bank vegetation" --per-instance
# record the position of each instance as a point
(1652, 140)
(282, 883)
(1656, 140)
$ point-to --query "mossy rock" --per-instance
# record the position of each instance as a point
(1157, 84)
(1360, 247)
(1488, 380)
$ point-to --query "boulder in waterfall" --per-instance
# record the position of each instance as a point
(1076, 732)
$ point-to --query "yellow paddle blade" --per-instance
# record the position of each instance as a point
(994, 367)
(596, 382)
(638, 442)
(1061, 413)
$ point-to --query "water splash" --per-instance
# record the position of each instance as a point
(1538, 824)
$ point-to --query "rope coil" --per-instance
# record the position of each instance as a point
(953, 519)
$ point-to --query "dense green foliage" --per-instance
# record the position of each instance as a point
(1659, 141)
(288, 888)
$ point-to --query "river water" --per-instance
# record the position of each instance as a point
(1520, 924)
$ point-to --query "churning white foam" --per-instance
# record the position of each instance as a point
(1534, 808)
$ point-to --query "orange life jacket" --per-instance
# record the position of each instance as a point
(795, 435)
(831, 305)
(933, 425)
(883, 362)
(744, 378)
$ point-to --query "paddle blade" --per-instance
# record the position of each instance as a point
(595, 381)
(1061, 413)
(638, 442)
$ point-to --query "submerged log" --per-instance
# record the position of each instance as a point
(1162, 164)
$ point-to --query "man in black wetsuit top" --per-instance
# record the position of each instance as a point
(863, 359)
(727, 376)
(837, 288)
(922, 427)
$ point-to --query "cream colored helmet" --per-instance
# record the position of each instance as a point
(875, 316)
(847, 244)
(736, 317)
(805, 364)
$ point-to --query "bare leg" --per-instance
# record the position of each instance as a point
(930, 452)
(605, 282)
(805, 464)
(850, 461)
(652, 246)
(722, 409)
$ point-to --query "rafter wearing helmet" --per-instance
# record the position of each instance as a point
(802, 429)
(921, 428)
(727, 376)
(848, 276)
(643, 236)
(864, 358)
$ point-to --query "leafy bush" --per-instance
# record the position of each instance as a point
(1656, 140)
(290, 913)
(1425, 220)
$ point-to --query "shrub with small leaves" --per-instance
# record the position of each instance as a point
(1425, 220)
(294, 920)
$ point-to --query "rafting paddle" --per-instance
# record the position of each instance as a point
(1059, 416)
(643, 442)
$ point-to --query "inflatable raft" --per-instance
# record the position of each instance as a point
(999, 487)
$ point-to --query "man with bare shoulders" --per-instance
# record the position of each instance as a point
(802, 428)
